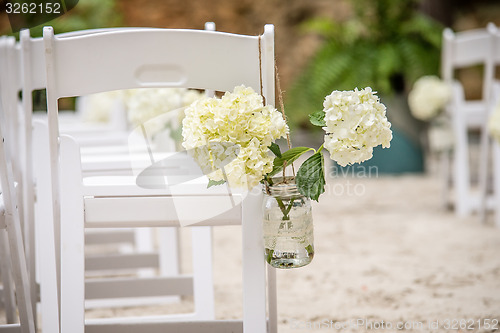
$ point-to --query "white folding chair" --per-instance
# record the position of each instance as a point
(26, 68)
(10, 83)
(461, 50)
(34, 77)
(133, 59)
(99, 161)
(10, 227)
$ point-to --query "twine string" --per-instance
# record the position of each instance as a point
(280, 100)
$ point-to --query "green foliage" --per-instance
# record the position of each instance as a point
(215, 182)
(275, 148)
(387, 46)
(87, 14)
(311, 176)
(318, 118)
(289, 157)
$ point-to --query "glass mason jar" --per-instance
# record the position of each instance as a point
(288, 226)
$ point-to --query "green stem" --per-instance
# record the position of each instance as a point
(285, 210)
(289, 208)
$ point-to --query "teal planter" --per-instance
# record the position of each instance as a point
(404, 156)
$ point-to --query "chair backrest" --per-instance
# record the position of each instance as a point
(152, 58)
(158, 58)
(30, 74)
(33, 55)
(494, 31)
(466, 49)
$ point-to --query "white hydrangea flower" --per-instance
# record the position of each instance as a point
(240, 118)
(494, 123)
(428, 97)
(145, 106)
(98, 107)
(356, 122)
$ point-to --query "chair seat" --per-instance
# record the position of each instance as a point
(112, 149)
(105, 186)
(120, 202)
(139, 160)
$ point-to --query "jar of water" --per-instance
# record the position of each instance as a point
(288, 226)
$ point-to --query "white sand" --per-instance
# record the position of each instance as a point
(393, 254)
(388, 253)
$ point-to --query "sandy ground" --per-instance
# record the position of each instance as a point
(392, 254)
(386, 254)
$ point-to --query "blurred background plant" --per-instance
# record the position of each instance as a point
(386, 44)
(87, 14)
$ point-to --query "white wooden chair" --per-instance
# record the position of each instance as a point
(9, 87)
(11, 239)
(133, 59)
(26, 73)
(34, 77)
(461, 50)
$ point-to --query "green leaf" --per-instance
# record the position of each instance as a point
(310, 250)
(269, 255)
(289, 156)
(215, 182)
(275, 149)
(318, 118)
(311, 177)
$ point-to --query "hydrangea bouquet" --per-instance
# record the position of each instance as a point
(428, 97)
(427, 100)
(151, 107)
(354, 123)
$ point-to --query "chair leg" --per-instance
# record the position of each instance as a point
(72, 241)
(169, 251)
(30, 244)
(44, 231)
(444, 164)
(8, 288)
(254, 269)
(20, 273)
(202, 273)
(496, 179)
(461, 178)
(483, 175)
(144, 244)
(273, 300)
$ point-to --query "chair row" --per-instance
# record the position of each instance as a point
(460, 50)
(68, 201)
(24, 69)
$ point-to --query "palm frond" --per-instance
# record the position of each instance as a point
(387, 39)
